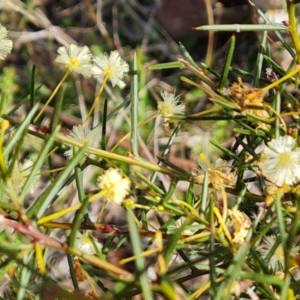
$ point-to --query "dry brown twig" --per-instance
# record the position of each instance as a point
(38, 18)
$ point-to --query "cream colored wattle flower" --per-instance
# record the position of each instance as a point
(241, 224)
(276, 262)
(76, 59)
(111, 67)
(114, 186)
(19, 176)
(6, 44)
(87, 243)
(170, 106)
(83, 135)
(280, 161)
(220, 173)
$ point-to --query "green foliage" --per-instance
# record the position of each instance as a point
(8, 87)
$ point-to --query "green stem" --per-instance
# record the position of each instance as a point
(278, 109)
(277, 82)
(108, 155)
(293, 27)
(134, 108)
(67, 210)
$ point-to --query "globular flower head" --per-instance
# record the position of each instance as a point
(241, 224)
(87, 243)
(170, 106)
(114, 186)
(76, 59)
(276, 262)
(19, 176)
(245, 95)
(280, 161)
(247, 98)
(6, 44)
(111, 67)
(220, 173)
(83, 135)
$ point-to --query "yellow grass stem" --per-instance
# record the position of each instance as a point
(96, 101)
(65, 211)
(52, 95)
(223, 226)
(205, 288)
(40, 258)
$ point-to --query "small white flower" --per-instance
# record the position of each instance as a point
(87, 243)
(170, 106)
(6, 44)
(241, 224)
(276, 262)
(82, 135)
(112, 67)
(76, 59)
(114, 185)
(20, 174)
(281, 162)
